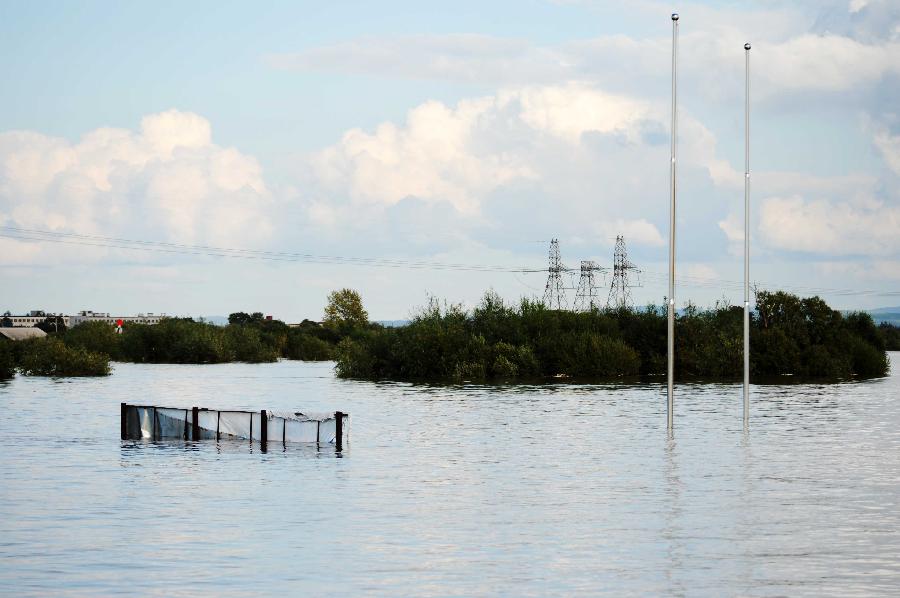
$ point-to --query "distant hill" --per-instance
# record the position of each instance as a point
(217, 320)
(891, 315)
(888, 317)
(392, 323)
(884, 310)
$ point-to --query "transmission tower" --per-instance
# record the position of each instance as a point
(587, 297)
(620, 288)
(554, 292)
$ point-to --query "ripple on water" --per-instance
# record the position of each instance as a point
(558, 489)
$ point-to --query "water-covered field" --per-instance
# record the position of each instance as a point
(452, 490)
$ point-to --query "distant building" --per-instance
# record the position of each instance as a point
(306, 324)
(34, 317)
(93, 316)
(37, 316)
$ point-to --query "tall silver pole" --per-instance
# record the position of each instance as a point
(671, 307)
(747, 238)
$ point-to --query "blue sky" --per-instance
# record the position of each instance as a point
(452, 132)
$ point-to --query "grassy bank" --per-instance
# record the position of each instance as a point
(495, 341)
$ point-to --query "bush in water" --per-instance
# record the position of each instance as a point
(49, 356)
(7, 359)
(99, 337)
(789, 335)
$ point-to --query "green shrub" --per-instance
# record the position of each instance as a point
(354, 360)
(175, 340)
(789, 335)
(891, 335)
(867, 360)
(243, 343)
(51, 357)
(7, 360)
(305, 346)
(504, 368)
(99, 337)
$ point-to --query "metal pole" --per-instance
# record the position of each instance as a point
(747, 238)
(338, 431)
(263, 430)
(670, 405)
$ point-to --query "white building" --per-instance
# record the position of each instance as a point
(93, 316)
(33, 318)
(36, 316)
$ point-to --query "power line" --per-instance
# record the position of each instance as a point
(40, 236)
(227, 252)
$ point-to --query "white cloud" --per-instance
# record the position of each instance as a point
(172, 129)
(699, 272)
(464, 153)
(878, 270)
(458, 56)
(430, 158)
(826, 63)
(639, 232)
(733, 227)
(889, 146)
(168, 181)
(788, 55)
(830, 228)
(857, 5)
(569, 111)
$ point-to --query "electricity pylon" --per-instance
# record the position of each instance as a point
(620, 288)
(554, 291)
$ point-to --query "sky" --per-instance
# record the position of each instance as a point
(459, 133)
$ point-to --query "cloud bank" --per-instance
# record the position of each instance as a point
(166, 181)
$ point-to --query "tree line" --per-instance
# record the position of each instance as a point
(497, 341)
(87, 349)
(494, 341)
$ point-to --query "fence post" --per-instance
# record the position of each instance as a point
(195, 423)
(123, 423)
(263, 429)
(338, 431)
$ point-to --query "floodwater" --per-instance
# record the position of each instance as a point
(452, 490)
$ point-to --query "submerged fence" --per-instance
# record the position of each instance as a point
(150, 422)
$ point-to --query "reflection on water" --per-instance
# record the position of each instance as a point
(560, 489)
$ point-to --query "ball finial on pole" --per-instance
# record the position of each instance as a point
(674, 16)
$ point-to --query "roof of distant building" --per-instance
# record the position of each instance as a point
(22, 333)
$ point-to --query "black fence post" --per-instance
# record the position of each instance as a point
(338, 431)
(123, 422)
(195, 423)
(263, 429)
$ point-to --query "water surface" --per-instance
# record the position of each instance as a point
(452, 490)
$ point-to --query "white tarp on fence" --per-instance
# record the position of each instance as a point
(164, 423)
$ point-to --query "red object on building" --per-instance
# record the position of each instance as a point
(119, 322)
(268, 317)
